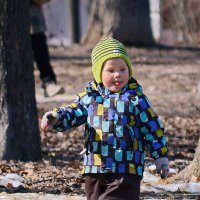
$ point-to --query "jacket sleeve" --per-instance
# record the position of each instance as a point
(72, 115)
(151, 127)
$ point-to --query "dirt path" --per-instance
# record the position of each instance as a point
(40, 196)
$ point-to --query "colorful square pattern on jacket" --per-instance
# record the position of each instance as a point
(118, 126)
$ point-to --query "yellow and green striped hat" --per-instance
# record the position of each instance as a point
(104, 50)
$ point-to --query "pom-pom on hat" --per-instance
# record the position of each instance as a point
(104, 50)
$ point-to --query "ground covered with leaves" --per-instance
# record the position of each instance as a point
(171, 80)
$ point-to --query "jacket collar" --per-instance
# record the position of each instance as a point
(131, 86)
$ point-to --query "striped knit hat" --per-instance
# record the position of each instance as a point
(104, 50)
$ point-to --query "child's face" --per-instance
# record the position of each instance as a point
(115, 74)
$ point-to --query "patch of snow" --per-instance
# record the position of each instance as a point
(148, 189)
(193, 187)
(190, 187)
(150, 183)
(14, 179)
(149, 178)
(152, 168)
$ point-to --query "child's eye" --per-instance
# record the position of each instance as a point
(111, 70)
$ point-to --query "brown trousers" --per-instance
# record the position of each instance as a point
(112, 186)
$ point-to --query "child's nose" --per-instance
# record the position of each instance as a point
(117, 74)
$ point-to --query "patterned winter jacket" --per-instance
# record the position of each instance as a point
(118, 127)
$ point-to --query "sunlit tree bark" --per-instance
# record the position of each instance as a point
(125, 20)
(192, 170)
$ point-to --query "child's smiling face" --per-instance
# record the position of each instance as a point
(115, 74)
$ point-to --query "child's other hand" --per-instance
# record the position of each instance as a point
(49, 119)
(162, 166)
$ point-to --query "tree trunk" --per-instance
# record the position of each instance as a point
(19, 133)
(182, 19)
(125, 20)
(74, 15)
(192, 170)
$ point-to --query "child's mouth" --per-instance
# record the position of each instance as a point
(117, 83)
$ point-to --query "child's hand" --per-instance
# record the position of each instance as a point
(49, 119)
(162, 166)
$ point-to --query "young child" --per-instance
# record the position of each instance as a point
(119, 123)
